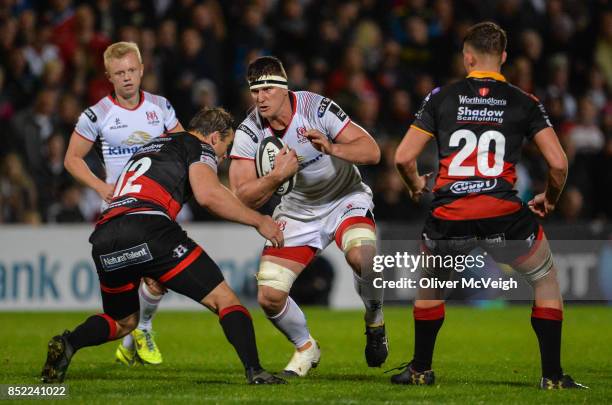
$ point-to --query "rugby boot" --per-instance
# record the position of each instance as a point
(147, 350)
(377, 348)
(129, 357)
(565, 382)
(412, 377)
(261, 376)
(303, 361)
(59, 354)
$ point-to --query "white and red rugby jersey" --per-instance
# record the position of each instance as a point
(119, 132)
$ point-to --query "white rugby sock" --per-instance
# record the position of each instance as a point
(148, 306)
(128, 342)
(292, 322)
(372, 298)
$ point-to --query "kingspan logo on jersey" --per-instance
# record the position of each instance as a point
(473, 186)
(481, 100)
(123, 150)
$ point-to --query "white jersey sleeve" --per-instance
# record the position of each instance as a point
(245, 143)
(88, 125)
(168, 113)
(170, 120)
(331, 117)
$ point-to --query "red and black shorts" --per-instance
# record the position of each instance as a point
(134, 246)
(508, 239)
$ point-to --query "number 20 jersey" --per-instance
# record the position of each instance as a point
(479, 125)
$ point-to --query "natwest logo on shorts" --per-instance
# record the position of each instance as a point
(473, 186)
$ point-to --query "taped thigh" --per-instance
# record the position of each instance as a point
(540, 271)
(275, 276)
(346, 239)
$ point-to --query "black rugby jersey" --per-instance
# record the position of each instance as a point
(479, 124)
(157, 176)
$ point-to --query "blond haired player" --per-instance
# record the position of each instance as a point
(118, 125)
(329, 202)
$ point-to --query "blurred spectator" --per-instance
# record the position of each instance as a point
(31, 127)
(52, 176)
(20, 82)
(559, 84)
(41, 51)
(67, 210)
(603, 47)
(586, 134)
(378, 60)
(17, 190)
(399, 114)
(570, 205)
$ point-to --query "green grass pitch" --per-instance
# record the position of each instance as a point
(482, 356)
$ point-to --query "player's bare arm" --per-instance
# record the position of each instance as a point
(547, 142)
(406, 162)
(354, 145)
(214, 196)
(254, 191)
(74, 162)
(177, 128)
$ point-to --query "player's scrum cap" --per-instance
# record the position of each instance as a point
(269, 81)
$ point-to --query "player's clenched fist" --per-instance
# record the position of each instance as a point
(319, 141)
(420, 188)
(106, 192)
(285, 163)
(271, 231)
(541, 206)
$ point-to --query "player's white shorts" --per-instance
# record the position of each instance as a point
(316, 226)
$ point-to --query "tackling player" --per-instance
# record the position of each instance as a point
(118, 125)
(137, 236)
(328, 202)
(479, 125)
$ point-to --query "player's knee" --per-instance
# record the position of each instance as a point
(361, 258)
(154, 287)
(220, 297)
(272, 301)
(127, 324)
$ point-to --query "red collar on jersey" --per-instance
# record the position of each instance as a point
(113, 98)
(483, 74)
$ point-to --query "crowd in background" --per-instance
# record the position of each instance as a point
(377, 59)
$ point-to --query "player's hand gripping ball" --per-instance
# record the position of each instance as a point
(264, 162)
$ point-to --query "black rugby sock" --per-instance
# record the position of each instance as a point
(96, 329)
(238, 328)
(427, 323)
(547, 323)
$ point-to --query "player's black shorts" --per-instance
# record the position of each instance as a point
(508, 238)
(141, 245)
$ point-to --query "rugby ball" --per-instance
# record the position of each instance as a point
(264, 161)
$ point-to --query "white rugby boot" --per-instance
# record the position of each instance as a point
(303, 361)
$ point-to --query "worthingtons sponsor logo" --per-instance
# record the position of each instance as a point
(480, 115)
(473, 186)
(481, 100)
